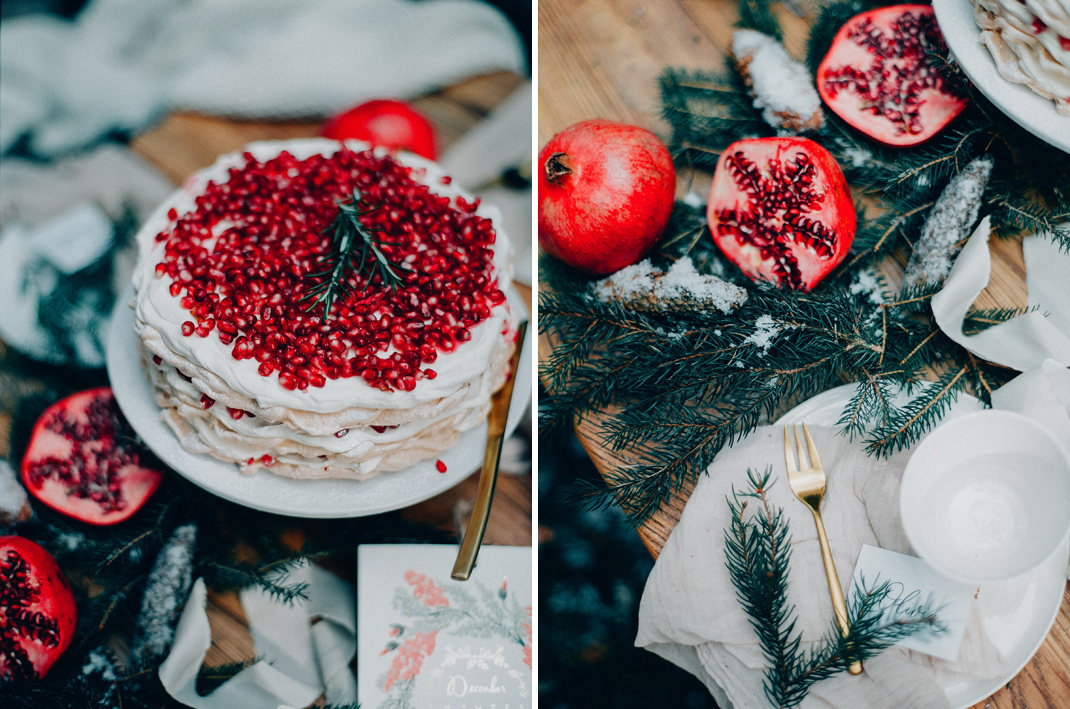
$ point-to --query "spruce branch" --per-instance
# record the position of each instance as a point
(757, 15)
(343, 266)
(757, 547)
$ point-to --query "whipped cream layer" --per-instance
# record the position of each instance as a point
(1030, 43)
(345, 429)
(157, 310)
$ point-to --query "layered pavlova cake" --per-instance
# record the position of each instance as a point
(322, 310)
(1030, 43)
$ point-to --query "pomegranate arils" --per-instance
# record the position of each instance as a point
(17, 593)
(778, 205)
(37, 611)
(83, 460)
(440, 466)
(877, 75)
(207, 402)
(91, 481)
(245, 257)
(780, 209)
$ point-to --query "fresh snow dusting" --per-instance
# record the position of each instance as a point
(681, 282)
(858, 156)
(167, 588)
(629, 282)
(949, 222)
(866, 284)
(70, 540)
(13, 500)
(765, 331)
(98, 663)
(693, 200)
(782, 87)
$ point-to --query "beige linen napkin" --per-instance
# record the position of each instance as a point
(690, 615)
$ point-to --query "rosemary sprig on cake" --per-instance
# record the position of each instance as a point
(342, 266)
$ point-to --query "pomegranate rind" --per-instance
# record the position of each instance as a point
(836, 211)
(608, 212)
(138, 482)
(392, 124)
(937, 107)
(55, 600)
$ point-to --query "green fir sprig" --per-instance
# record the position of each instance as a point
(682, 385)
(354, 256)
(758, 557)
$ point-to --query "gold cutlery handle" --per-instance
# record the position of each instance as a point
(488, 476)
(839, 606)
(477, 524)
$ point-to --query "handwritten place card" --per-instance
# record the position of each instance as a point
(915, 582)
(425, 641)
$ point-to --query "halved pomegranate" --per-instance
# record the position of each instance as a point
(37, 610)
(876, 76)
(84, 462)
(780, 210)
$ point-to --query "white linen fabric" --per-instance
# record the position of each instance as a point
(690, 614)
(304, 648)
(1024, 342)
(121, 64)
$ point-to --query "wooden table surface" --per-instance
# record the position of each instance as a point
(186, 142)
(601, 59)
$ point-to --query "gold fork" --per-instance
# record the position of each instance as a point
(808, 484)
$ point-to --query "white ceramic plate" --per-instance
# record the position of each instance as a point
(296, 498)
(1029, 110)
(1016, 614)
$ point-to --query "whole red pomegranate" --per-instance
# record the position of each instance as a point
(605, 195)
(385, 122)
(781, 211)
(877, 78)
(82, 460)
(37, 610)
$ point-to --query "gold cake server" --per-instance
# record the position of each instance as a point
(488, 477)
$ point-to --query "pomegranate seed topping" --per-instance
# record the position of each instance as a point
(268, 461)
(339, 434)
(1038, 25)
(157, 360)
(235, 413)
(1064, 43)
(778, 212)
(245, 259)
(898, 72)
(207, 402)
(440, 466)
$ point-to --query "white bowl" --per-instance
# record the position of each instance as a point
(986, 496)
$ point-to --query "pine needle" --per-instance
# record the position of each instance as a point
(342, 264)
